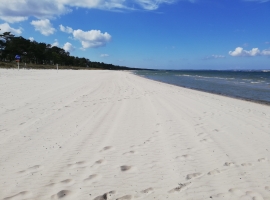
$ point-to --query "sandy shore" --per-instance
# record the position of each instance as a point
(113, 135)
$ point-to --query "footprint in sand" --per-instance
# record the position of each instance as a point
(148, 191)
(206, 140)
(144, 193)
(184, 157)
(105, 196)
(194, 175)
(229, 164)
(126, 197)
(93, 178)
(62, 194)
(236, 192)
(33, 169)
(201, 134)
(262, 160)
(130, 153)
(65, 182)
(213, 172)
(20, 195)
(246, 164)
(126, 168)
(98, 163)
(182, 186)
(107, 148)
(78, 164)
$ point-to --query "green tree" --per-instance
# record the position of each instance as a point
(4, 39)
(42, 53)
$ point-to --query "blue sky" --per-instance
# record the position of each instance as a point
(163, 34)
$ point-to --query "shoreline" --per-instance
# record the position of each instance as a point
(201, 90)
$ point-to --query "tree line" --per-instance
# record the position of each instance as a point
(44, 54)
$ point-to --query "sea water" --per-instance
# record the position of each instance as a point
(248, 85)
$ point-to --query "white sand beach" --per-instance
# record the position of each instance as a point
(114, 135)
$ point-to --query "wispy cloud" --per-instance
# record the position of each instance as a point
(44, 26)
(213, 57)
(260, 1)
(153, 4)
(104, 55)
(240, 52)
(16, 11)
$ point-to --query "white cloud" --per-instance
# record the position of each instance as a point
(92, 39)
(5, 27)
(104, 55)
(266, 52)
(99, 4)
(65, 29)
(31, 39)
(56, 43)
(68, 47)
(239, 51)
(154, 4)
(44, 26)
(13, 19)
(17, 10)
(20, 10)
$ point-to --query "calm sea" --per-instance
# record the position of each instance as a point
(249, 85)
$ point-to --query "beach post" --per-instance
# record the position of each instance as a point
(24, 53)
(17, 57)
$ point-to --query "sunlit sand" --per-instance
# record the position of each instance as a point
(114, 135)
